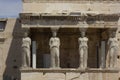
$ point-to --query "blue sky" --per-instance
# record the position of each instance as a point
(10, 8)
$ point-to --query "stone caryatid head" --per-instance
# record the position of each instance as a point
(83, 34)
(26, 32)
(112, 33)
(83, 28)
(54, 31)
(54, 34)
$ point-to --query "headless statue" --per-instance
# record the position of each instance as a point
(113, 50)
(83, 51)
(26, 42)
(54, 44)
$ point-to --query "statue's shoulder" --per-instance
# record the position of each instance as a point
(56, 38)
(87, 39)
(51, 38)
(84, 39)
(115, 39)
(110, 39)
(80, 38)
(28, 39)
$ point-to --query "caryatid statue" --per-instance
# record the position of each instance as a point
(54, 44)
(26, 58)
(113, 50)
(83, 50)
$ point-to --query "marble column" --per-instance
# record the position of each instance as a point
(112, 49)
(34, 54)
(26, 58)
(102, 54)
(83, 48)
(54, 44)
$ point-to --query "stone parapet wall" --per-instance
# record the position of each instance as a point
(69, 74)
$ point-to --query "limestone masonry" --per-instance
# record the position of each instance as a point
(62, 40)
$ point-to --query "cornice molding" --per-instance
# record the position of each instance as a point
(69, 1)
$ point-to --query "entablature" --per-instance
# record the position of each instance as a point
(73, 19)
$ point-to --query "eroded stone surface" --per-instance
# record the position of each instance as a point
(54, 76)
(32, 76)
